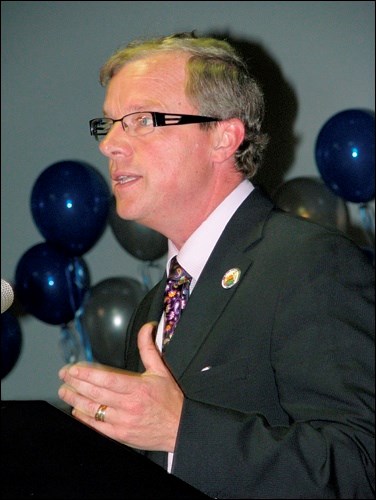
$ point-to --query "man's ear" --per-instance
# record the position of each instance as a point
(229, 135)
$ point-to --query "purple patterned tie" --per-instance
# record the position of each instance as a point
(176, 297)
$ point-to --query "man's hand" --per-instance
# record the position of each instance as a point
(143, 410)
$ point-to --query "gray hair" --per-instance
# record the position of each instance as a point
(219, 85)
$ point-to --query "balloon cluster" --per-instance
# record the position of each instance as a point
(345, 157)
(71, 205)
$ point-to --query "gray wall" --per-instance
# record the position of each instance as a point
(318, 55)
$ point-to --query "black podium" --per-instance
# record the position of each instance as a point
(46, 453)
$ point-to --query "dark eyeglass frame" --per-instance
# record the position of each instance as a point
(159, 120)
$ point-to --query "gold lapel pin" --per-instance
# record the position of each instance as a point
(231, 277)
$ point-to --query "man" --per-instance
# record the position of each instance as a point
(265, 389)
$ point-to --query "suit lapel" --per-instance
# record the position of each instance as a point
(209, 297)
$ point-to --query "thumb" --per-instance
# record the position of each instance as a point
(150, 355)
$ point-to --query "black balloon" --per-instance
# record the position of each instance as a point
(310, 198)
(140, 241)
(107, 310)
(11, 342)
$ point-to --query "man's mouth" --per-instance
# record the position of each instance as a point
(124, 179)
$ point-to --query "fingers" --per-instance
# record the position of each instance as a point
(78, 401)
(84, 370)
(96, 376)
(92, 379)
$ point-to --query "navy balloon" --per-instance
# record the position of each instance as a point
(11, 342)
(70, 203)
(345, 155)
(51, 284)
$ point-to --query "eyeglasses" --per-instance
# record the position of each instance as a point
(143, 122)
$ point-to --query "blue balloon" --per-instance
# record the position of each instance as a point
(11, 342)
(70, 202)
(345, 155)
(51, 284)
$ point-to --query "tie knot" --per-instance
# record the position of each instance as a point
(178, 273)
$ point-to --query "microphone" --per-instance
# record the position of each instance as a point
(7, 295)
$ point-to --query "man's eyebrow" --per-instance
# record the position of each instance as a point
(151, 106)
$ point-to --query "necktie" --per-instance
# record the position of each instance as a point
(176, 297)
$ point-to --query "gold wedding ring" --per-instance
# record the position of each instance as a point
(101, 413)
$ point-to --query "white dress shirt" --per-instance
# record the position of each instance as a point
(195, 252)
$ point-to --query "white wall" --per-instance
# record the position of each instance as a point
(323, 52)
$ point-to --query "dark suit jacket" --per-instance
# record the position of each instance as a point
(286, 409)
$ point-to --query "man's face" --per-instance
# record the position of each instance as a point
(167, 175)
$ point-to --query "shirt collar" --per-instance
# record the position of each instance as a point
(195, 252)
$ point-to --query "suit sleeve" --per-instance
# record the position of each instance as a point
(322, 353)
